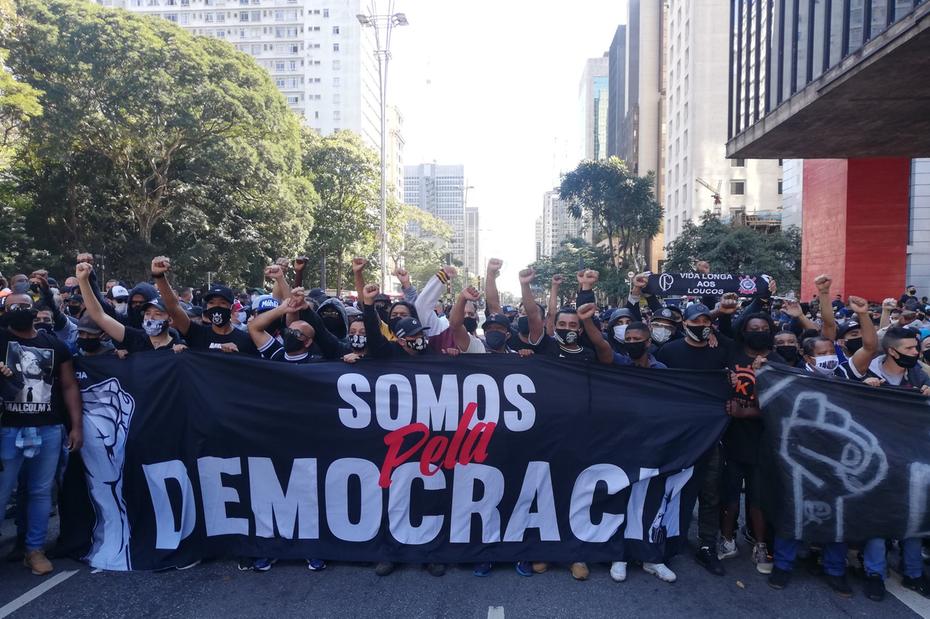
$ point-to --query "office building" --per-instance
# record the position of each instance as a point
(440, 191)
(593, 96)
(472, 247)
(556, 224)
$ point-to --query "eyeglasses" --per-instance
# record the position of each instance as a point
(295, 333)
(19, 306)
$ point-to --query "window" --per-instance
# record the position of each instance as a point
(335, 81)
(316, 115)
(335, 29)
(738, 163)
(781, 162)
(335, 47)
(337, 65)
(172, 17)
(737, 188)
(325, 12)
(779, 186)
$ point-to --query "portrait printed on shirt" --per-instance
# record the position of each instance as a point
(32, 378)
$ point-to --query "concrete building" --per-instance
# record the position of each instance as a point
(440, 191)
(616, 85)
(698, 176)
(593, 96)
(472, 246)
(842, 86)
(539, 237)
(556, 225)
(395, 152)
(318, 55)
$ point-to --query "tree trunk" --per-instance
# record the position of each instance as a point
(339, 271)
(323, 269)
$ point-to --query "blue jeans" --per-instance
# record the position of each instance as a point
(873, 556)
(834, 556)
(39, 477)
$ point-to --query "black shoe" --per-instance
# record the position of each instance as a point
(436, 569)
(779, 578)
(707, 558)
(384, 568)
(874, 587)
(921, 585)
(840, 585)
(18, 552)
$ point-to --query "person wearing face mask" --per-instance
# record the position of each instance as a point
(898, 366)
(616, 327)
(909, 296)
(298, 336)
(119, 299)
(786, 345)
(218, 334)
(410, 333)
(860, 341)
(75, 306)
(497, 333)
(154, 333)
(90, 342)
(530, 329)
(820, 355)
(463, 321)
(694, 352)
(925, 351)
(662, 328)
(358, 340)
(564, 343)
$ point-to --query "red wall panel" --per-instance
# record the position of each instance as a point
(823, 227)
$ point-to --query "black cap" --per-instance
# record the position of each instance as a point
(496, 319)
(676, 312)
(87, 325)
(218, 290)
(664, 313)
(846, 327)
(617, 314)
(381, 297)
(157, 303)
(408, 326)
(696, 310)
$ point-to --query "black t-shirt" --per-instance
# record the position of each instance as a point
(273, 350)
(679, 354)
(32, 396)
(550, 346)
(515, 343)
(743, 439)
(203, 337)
(136, 340)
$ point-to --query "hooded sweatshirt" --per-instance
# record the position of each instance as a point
(340, 328)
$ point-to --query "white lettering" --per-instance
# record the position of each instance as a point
(383, 409)
(270, 504)
(167, 536)
(537, 485)
(216, 496)
(490, 412)
(337, 500)
(464, 505)
(359, 416)
(582, 524)
(400, 523)
(524, 416)
(438, 412)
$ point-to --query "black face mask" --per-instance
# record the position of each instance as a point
(566, 336)
(698, 334)
(292, 341)
(788, 353)
(854, 344)
(471, 324)
(333, 323)
(20, 319)
(926, 355)
(495, 339)
(393, 322)
(218, 316)
(906, 361)
(523, 325)
(635, 350)
(74, 310)
(383, 312)
(759, 340)
(91, 344)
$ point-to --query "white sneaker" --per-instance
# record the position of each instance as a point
(618, 571)
(726, 548)
(760, 556)
(660, 571)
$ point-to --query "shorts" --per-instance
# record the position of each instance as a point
(735, 475)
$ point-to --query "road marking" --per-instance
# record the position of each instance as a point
(54, 581)
(495, 612)
(916, 602)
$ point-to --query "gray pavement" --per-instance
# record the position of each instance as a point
(218, 589)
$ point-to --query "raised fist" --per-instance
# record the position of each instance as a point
(494, 267)
(823, 283)
(369, 293)
(471, 294)
(640, 281)
(283, 263)
(160, 265)
(274, 271)
(403, 276)
(527, 276)
(82, 271)
(729, 303)
(792, 308)
(590, 276)
(587, 311)
(358, 264)
(86, 257)
(858, 305)
(889, 304)
(301, 262)
(557, 280)
(450, 271)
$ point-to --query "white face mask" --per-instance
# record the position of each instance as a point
(120, 307)
(661, 334)
(619, 332)
(240, 316)
(825, 364)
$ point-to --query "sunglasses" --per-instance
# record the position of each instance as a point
(19, 306)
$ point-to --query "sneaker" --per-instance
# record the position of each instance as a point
(874, 587)
(188, 566)
(262, 564)
(660, 571)
(483, 569)
(36, 561)
(708, 560)
(747, 535)
(384, 568)
(840, 585)
(540, 567)
(316, 565)
(524, 568)
(18, 553)
(436, 569)
(920, 584)
(778, 579)
(762, 559)
(726, 549)
(580, 571)
(618, 571)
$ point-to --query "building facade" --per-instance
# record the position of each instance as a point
(440, 191)
(472, 247)
(616, 84)
(593, 97)
(556, 225)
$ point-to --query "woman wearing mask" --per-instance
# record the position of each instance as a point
(358, 341)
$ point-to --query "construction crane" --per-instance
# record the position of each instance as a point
(716, 192)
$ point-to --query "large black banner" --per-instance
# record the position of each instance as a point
(846, 461)
(478, 458)
(711, 284)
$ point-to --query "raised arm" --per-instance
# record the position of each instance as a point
(529, 306)
(823, 283)
(793, 309)
(553, 308)
(605, 354)
(587, 279)
(430, 295)
(457, 317)
(281, 290)
(259, 325)
(863, 357)
(180, 320)
(409, 292)
(492, 297)
(888, 305)
(300, 264)
(376, 340)
(110, 325)
(358, 274)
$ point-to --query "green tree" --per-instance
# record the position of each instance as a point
(418, 240)
(575, 255)
(620, 206)
(18, 101)
(738, 249)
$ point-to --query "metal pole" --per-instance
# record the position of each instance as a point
(383, 257)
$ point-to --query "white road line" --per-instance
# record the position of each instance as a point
(494, 612)
(11, 607)
(916, 602)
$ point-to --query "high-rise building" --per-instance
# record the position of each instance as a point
(318, 55)
(698, 176)
(635, 109)
(556, 224)
(539, 237)
(471, 240)
(440, 191)
(593, 96)
(395, 152)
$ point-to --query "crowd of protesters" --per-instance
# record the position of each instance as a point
(45, 323)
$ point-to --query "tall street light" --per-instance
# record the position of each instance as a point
(383, 24)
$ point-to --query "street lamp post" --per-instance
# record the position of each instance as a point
(385, 23)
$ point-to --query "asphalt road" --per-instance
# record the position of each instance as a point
(218, 589)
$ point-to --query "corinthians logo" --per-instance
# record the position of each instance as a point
(666, 281)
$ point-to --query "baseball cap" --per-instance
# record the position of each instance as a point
(695, 311)
(408, 326)
(218, 290)
(382, 297)
(352, 312)
(664, 313)
(317, 293)
(194, 311)
(157, 303)
(496, 319)
(87, 325)
(622, 312)
(119, 292)
(508, 309)
(264, 303)
(846, 327)
(676, 312)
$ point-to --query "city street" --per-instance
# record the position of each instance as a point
(218, 589)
